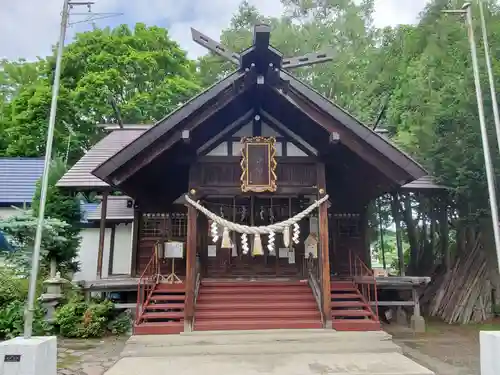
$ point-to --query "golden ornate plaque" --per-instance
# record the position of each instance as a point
(258, 164)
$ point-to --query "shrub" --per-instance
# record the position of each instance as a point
(12, 320)
(121, 324)
(12, 287)
(81, 319)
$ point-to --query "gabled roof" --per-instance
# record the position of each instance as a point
(80, 175)
(18, 178)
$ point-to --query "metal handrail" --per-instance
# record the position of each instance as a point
(364, 277)
(147, 282)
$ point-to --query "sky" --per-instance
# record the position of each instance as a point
(29, 28)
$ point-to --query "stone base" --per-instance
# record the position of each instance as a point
(401, 317)
(490, 352)
(417, 324)
(34, 356)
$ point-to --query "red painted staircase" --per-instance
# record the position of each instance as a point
(162, 312)
(350, 309)
(250, 305)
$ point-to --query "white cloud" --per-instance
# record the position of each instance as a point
(30, 27)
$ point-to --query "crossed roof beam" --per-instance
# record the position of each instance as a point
(260, 46)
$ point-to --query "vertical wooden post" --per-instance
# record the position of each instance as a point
(399, 238)
(102, 233)
(111, 250)
(326, 297)
(190, 264)
(136, 226)
(444, 233)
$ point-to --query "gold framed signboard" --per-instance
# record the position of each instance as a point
(258, 164)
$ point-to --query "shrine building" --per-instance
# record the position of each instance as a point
(248, 204)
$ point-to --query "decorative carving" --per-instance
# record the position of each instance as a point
(258, 164)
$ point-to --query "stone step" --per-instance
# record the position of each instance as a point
(279, 347)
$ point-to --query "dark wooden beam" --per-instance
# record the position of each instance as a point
(136, 227)
(102, 233)
(159, 147)
(111, 250)
(396, 214)
(191, 249)
(233, 128)
(281, 128)
(347, 138)
(324, 249)
(257, 126)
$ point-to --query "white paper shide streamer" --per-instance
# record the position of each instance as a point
(269, 230)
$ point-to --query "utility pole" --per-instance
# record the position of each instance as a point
(490, 173)
(490, 74)
(67, 6)
(28, 315)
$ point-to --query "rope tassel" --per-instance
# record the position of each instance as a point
(257, 245)
(286, 236)
(296, 233)
(244, 243)
(226, 240)
(270, 243)
(214, 230)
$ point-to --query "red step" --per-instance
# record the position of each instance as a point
(175, 288)
(262, 297)
(256, 325)
(346, 296)
(166, 297)
(229, 305)
(158, 328)
(164, 306)
(246, 284)
(256, 289)
(255, 314)
(353, 304)
(356, 325)
(163, 315)
(351, 313)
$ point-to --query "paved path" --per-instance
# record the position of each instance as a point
(283, 352)
(88, 357)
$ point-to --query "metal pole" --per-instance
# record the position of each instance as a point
(491, 78)
(28, 314)
(490, 174)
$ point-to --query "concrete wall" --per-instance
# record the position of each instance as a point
(88, 252)
(5, 212)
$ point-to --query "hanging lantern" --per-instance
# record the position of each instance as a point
(244, 243)
(270, 242)
(296, 233)
(286, 237)
(226, 240)
(214, 231)
(257, 245)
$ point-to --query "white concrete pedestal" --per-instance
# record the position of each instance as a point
(34, 356)
(490, 352)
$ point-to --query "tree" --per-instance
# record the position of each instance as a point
(65, 207)
(145, 72)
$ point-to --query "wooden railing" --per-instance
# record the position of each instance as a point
(313, 277)
(365, 281)
(147, 282)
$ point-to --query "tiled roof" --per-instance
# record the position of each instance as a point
(18, 178)
(80, 175)
(423, 183)
(117, 210)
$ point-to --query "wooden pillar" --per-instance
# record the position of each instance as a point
(111, 250)
(190, 263)
(136, 226)
(324, 257)
(102, 233)
(399, 238)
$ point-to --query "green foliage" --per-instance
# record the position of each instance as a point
(142, 69)
(21, 230)
(121, 324)
(62, 205)
(13, 287)
(12, 320)
(80, 319)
